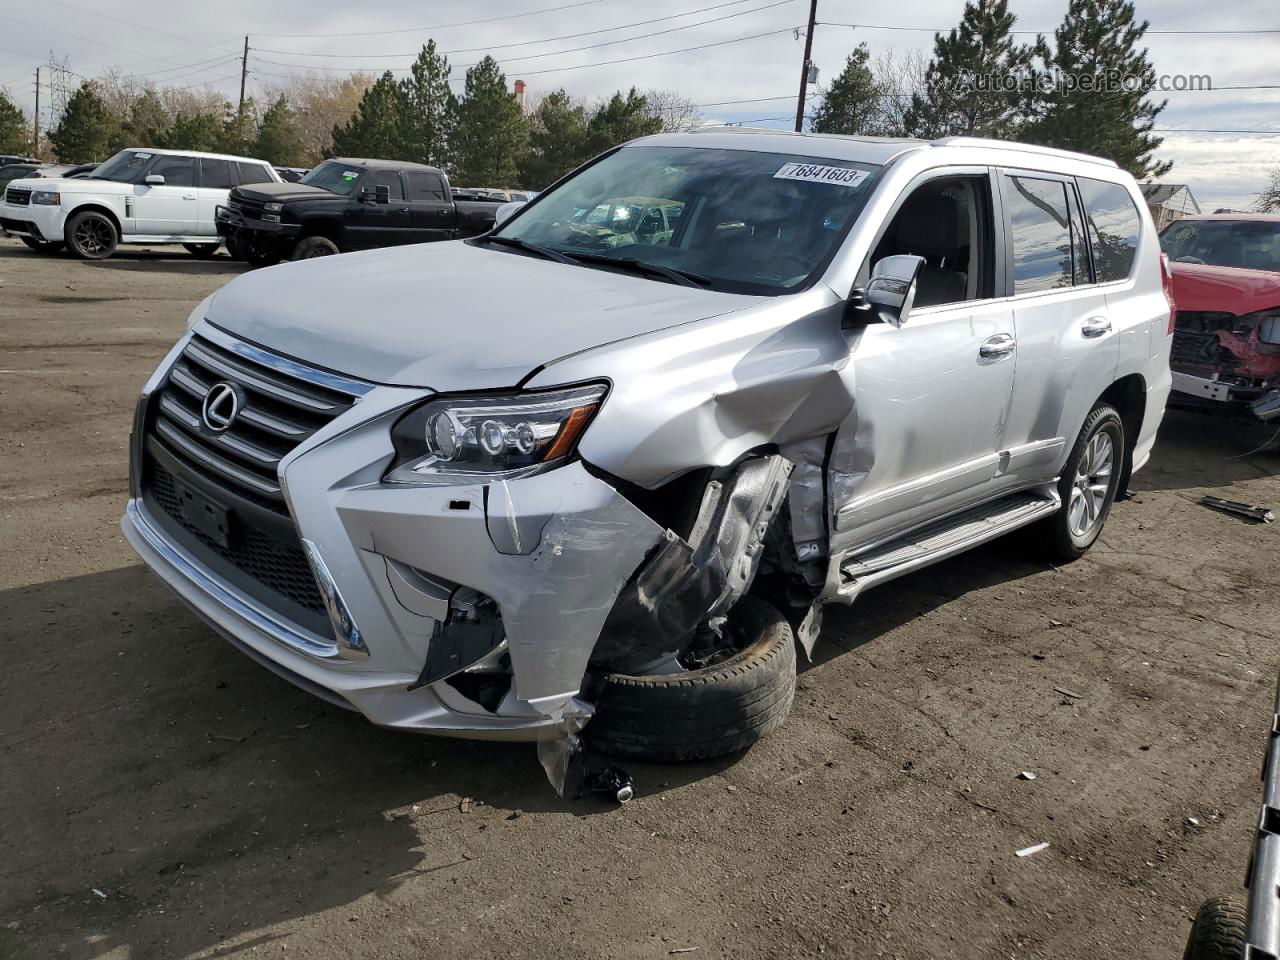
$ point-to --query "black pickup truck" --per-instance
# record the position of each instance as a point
(345, 204)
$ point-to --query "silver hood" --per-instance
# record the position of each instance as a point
(449, 316)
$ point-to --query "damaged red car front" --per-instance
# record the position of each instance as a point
(1226, 284)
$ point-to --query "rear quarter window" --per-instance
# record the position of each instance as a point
(1114, 228)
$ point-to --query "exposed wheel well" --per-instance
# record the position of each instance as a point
(1129, 396)
(97, 208)
(329, 229)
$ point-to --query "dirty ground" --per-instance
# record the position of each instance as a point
(165, 797)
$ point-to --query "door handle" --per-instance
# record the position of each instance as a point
(403, 210)
(1095, 327)
(1001, 345)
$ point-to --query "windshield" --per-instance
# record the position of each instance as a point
(746, 222)
(127, 166)
(333, 176)
(1251, 244)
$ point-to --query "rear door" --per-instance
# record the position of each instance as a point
(251, 172)
(368, 223)
(431, 215)
(216, 180)
(170, 209)
(1067, 341)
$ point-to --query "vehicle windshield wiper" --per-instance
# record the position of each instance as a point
(682, 277)
(545, 252)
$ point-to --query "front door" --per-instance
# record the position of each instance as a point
(369, 223)
(431, 215)
(932, 396)
(170, 209)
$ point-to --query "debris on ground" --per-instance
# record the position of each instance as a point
(1068, 692)
(1027, 775)
(99, 893)
(1193, 821)
(1035, 848)
(1251, 511)
(464, 805)
(612, 782)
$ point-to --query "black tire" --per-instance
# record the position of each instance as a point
(91, 235)
(309, 247)
(235, 250)
(43, 246)
(256, 258)
(1061, 535)
(201, 251)
(1219, 931)
(701, 714)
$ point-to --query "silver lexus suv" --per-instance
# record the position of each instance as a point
(598, 470)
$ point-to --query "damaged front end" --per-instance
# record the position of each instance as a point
(1224, 358)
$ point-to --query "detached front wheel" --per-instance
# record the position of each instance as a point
(698, 714)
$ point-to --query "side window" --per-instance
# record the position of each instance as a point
(253, 173)
(947, 221)
(216, 174)
(1040, 233)
(425, 187)
(1114, 227)
(177, 171)
(382, 178)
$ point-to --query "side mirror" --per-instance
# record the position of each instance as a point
(506, 212)
(153, 180)
(892, 290)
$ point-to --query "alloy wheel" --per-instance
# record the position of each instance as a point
(1092, 485)
(93, 236)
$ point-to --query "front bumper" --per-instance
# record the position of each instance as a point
(263, 234)
(552, 551)
(39, 222)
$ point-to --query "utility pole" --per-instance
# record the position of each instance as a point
(35, 121)
(804, 67)
(245, 69)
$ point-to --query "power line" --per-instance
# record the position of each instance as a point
(136, 25)
(438, 26)
(74, 36)
(885, 26)
(520, 43)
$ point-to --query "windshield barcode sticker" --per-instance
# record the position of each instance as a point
(816, 173)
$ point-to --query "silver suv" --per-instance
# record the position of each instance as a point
(601, 467)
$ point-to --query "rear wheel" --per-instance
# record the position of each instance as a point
(309, 247)
(43, 246)
(1219, 931)
(1088, 486)
(710, 711)
(202, 251)
(91, 235)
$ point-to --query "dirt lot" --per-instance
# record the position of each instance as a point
(164, 797)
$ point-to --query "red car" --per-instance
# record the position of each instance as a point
(1226, 284)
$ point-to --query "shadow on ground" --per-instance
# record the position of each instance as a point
(160, 259)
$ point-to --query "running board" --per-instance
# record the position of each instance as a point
(943, 539)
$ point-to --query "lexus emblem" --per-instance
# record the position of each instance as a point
(221, 406)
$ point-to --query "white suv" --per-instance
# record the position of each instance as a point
(138, 196)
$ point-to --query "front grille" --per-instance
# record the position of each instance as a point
(19, 198)
(277, 412)
(250, 209)
(278, 565)
(1196, 343)
(18, 226)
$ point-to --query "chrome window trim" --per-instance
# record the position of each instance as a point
(274, 361)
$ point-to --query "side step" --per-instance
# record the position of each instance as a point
(943, 539)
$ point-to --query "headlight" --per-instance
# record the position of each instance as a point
(467, 439)
(45, 198)
(273, 207)
(198, 313)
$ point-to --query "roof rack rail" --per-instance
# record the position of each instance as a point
(992, 144)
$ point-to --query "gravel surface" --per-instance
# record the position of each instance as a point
(164, 797)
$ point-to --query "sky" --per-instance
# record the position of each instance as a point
(749, 50)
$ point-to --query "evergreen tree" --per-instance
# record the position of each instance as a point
(85, 131)
(965, 90)
(238, 130)
(429, 107)
(851, 104)
(278, 140)
(145, 125)
(13, 127)
(376, 130)
(620, 119)
(490, 136)
(557, 140)
(1098, 103)
(192, 131)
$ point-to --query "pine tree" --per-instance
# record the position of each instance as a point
(1099, 103)
(557, 140)
(145, 125)
(430, 106)
(85, 131)
(13, 127)
(490, 136)
(851, 104)
(620, 119)
(376, 130)
(192, 131)
(278, 139)
(239, 127)
(965, 90)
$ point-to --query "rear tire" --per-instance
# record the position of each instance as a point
(1219, 931)
(201, 251)
(91, 235)
(1088, 486)
(43, 246)
(310, 247)
(706, 713)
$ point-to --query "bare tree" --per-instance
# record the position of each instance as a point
(899, 75)
(676, 111)
(1269, 199)
(319, 104)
